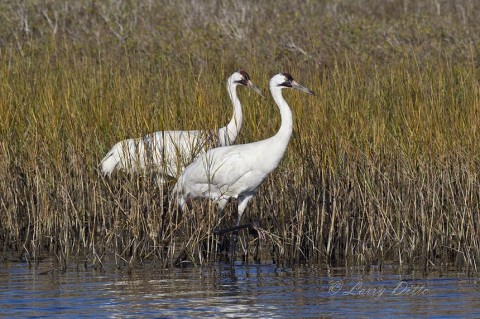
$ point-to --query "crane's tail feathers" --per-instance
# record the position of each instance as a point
(109, 162)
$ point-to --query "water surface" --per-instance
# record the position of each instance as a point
(263, 290)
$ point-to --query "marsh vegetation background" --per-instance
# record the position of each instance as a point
(383, 166)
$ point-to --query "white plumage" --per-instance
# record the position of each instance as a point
(171, 151)
(238, 170)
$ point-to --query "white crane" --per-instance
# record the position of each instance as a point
(238, 170)
(171, 151)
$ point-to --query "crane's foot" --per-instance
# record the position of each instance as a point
(254, 229)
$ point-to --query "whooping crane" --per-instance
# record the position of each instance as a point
(173, 150)
(238, 170)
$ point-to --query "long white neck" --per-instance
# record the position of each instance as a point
(283, 135)
(229, 133)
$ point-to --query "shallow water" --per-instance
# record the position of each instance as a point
(264, 291)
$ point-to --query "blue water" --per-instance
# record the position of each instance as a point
(263, 291)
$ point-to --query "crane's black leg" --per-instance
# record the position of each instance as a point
(233, 246)
(231, 229)
(242, 204)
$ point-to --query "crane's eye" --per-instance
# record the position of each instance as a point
(243, 81)
(287, 83)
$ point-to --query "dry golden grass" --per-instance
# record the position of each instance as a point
(383, 166)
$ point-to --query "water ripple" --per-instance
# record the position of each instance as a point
(264, 291)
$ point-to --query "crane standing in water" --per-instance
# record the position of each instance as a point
(238, 170)
(172, 150)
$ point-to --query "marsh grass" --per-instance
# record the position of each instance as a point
(383, 166)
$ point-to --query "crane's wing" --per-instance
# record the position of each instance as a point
(226, 171)
(174, 150)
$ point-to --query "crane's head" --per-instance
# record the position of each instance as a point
(286, 81)
(242, 78)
